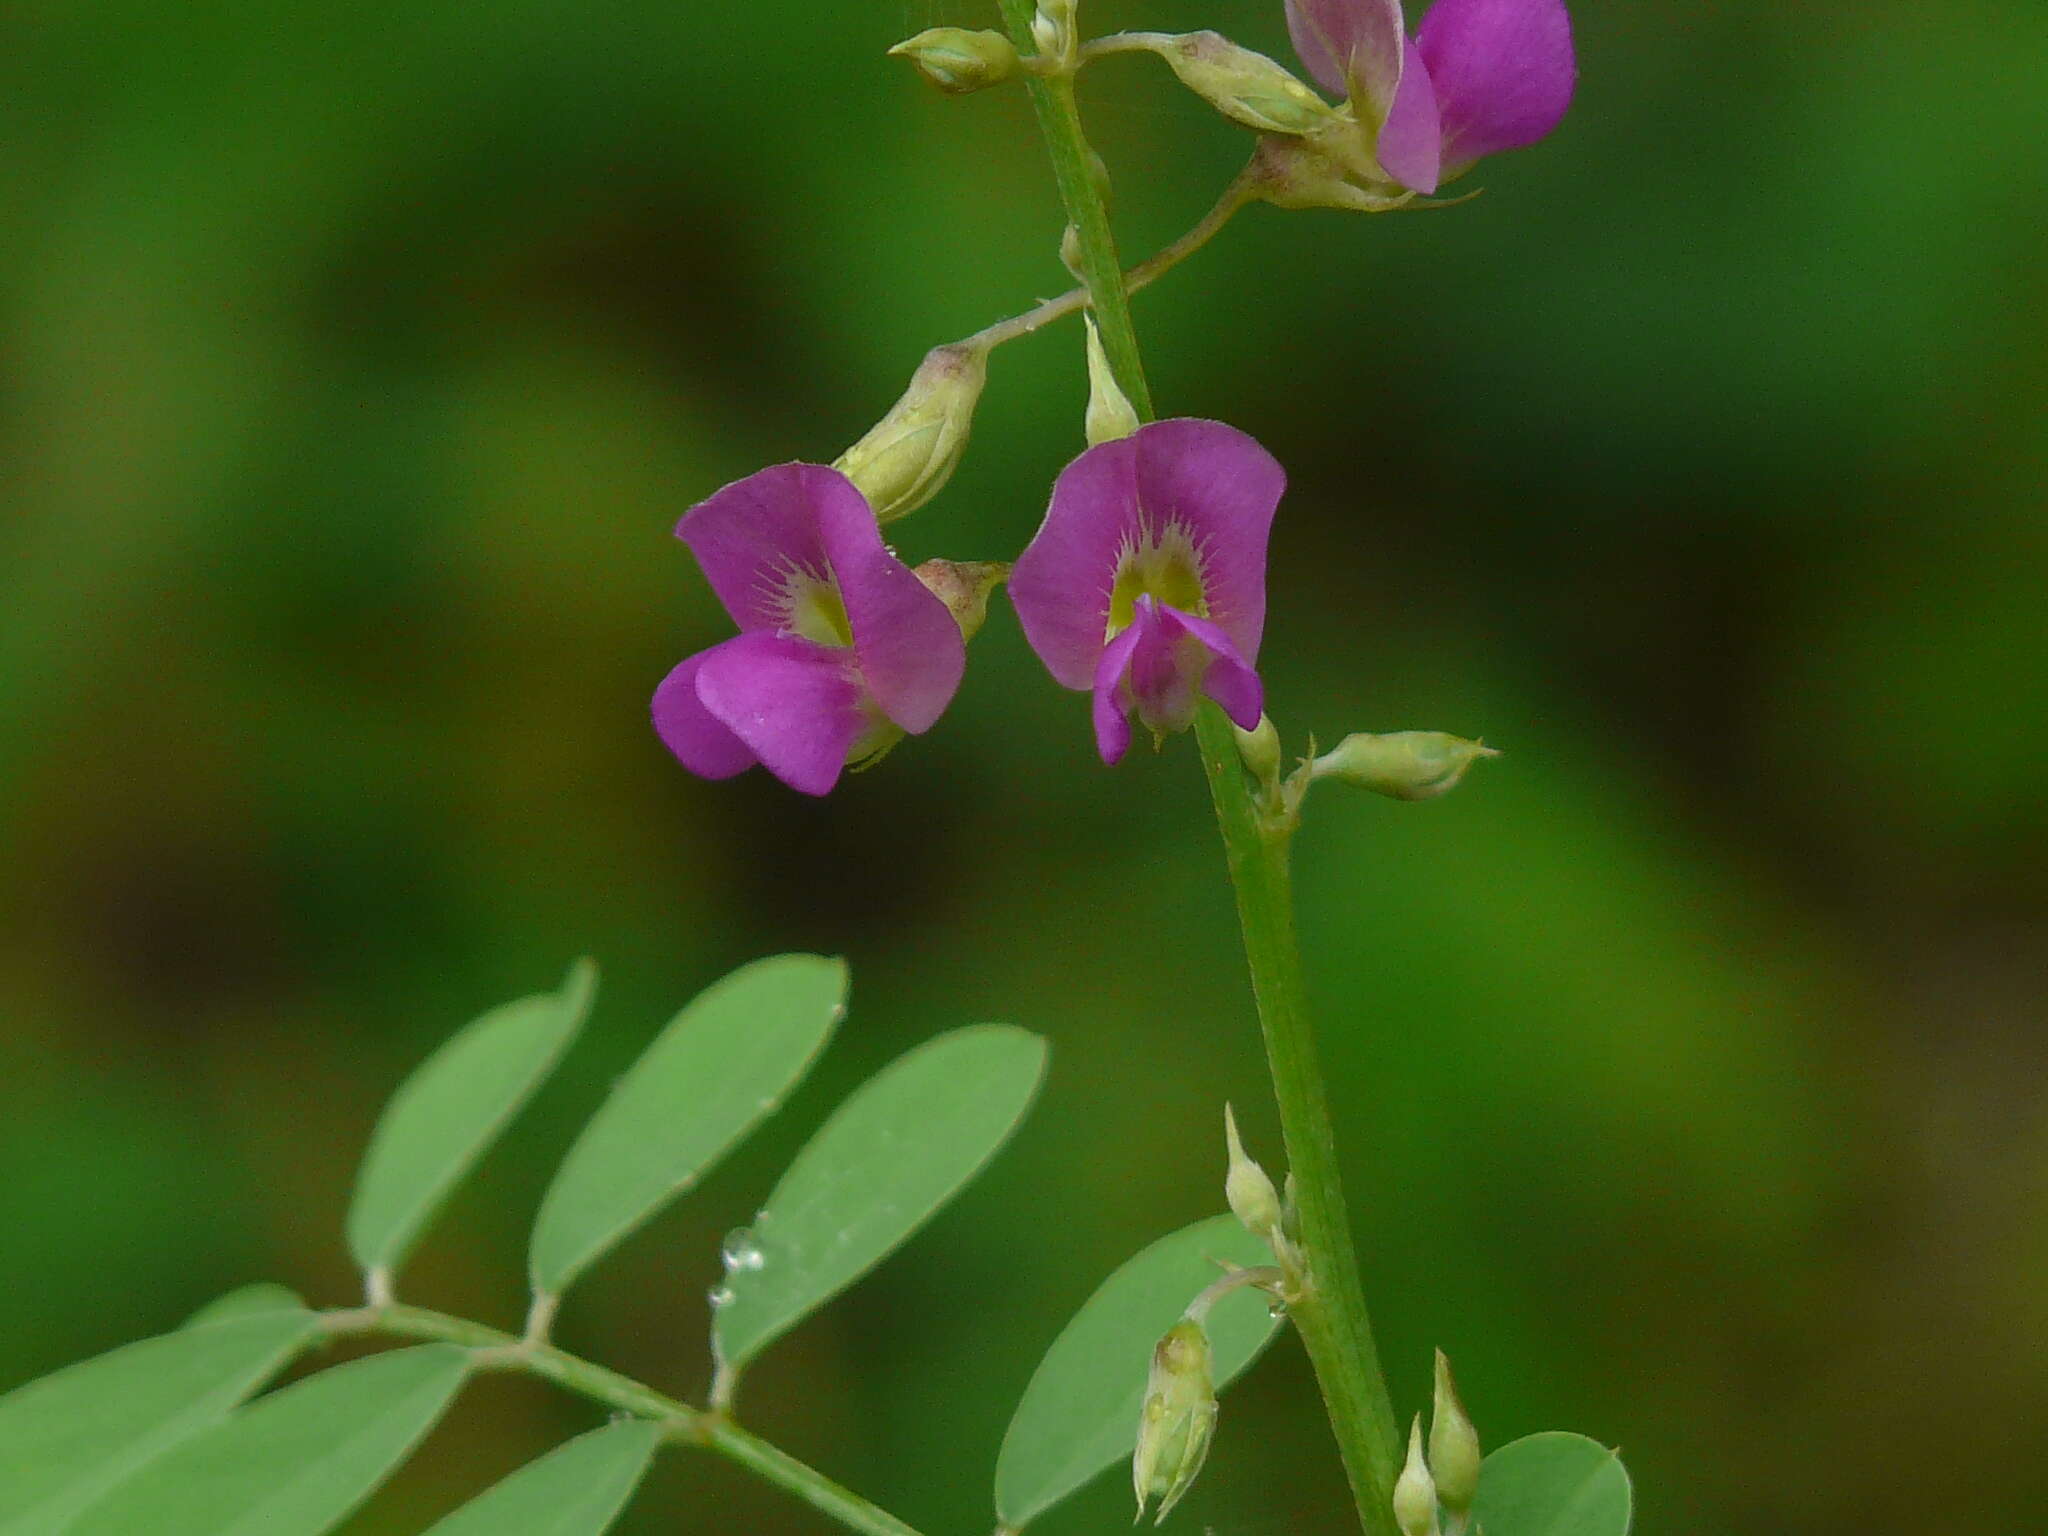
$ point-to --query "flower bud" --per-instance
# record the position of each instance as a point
(1415, 1491)
(909, 455)
(1253, 1199)
(1177, 1420)
(1054, 31)
(1110, 413)
(1328, 171)
(1453, 1444)
(1408, 765)
(1260, 749)
(958, 61)
(1245, 87)
(963, 586)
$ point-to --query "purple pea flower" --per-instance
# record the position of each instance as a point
(1147, 581)
(1481, 76)
(841, 648)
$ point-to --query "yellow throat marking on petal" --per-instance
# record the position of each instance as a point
(1161, 563)
(813, 609)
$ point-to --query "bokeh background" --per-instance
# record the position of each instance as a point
(357, 360)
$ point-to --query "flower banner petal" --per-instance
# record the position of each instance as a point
(910, 648)
(1223, 488)
(1061, 584)
(753, 534)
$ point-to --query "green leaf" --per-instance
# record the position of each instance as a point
(67, 1439)
(1079, 1415)
(1554, 1484)
(449, 1112)
(295, 1463)
(891, 1155)
(575, 1491)
(249, 1301)
(723, 1065)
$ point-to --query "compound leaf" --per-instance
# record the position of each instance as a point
(902, 1146)
(1079, 1415)
(68, 1438)
(1554, 1484)
(577, 1490)
(295, 1463)
(723, 1064)
(451, 1109)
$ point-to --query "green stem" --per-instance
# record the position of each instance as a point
(1073, 167)
(1331, 1314)
(1240, 192)
(685, 1425)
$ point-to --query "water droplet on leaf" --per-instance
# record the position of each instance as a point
(741, 1252)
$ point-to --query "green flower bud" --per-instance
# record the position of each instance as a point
(1110, 413)
(963, 586)
(958, 61)
(1246, 87)
(1177, 1420)
(910, 454)
(1334, 169)
(1408, 765)
(1253, 1199)
(1415, 1491)
(1055, 32)
(1453, 1444)
(1260, 749)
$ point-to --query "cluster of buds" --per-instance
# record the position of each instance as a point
(1434, 1493)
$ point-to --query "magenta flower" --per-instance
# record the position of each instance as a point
(841, 648)
(1480, 77)
(1147, 581)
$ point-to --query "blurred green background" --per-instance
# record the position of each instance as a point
(357, 360)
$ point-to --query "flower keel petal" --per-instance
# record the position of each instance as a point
(1412, 142)
(794, 704)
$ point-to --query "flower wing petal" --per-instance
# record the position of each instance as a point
(1411, 143)
(752, 534)
(702, 742)
(909, 644)
(1223, 488)
(1061, 584)
(794, 704)
(1112, 721)
(1504, 72)
(1352, 47)
(1229, 680)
